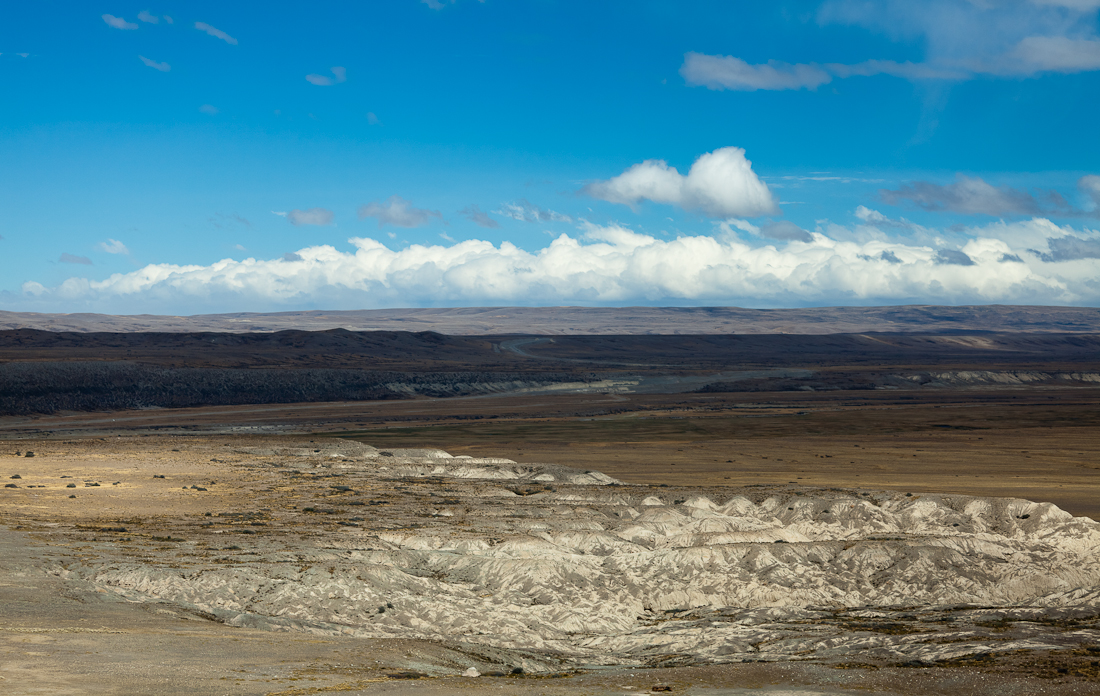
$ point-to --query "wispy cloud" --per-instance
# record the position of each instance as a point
(727, 72)
(785, 230)
(148, 18)
(1069, 248)
(962, 40)
(118, 22)
(720, 184)
(312, 216)
(113, 246)
(526, 211)
(974, 196)
(163, 67)
(372, 119)
(440, 4)
(398, 212)
(983, 38)
(215, 32)
(876, 219)
(338, 75)
(209, 109)
(476, 215)
(220, 218)
(72, 258)
(616, 265)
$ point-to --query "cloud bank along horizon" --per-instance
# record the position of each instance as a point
(776, 263)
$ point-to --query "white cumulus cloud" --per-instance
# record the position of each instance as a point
(148, 18)
(397, 212)
(616, 265)
(720, 184)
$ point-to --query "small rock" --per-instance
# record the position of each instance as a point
(72, 496)
(10, 485)
(16, 476)
(70, 485)
(471, 672)
(29, 454)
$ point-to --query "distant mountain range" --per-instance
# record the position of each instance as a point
(476, 321)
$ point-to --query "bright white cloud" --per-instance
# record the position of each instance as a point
(313, 216)
(616, 265)
(397, 212)
(215, 32)
(338, 75)
(719, 183)
(148, 18)
(163, 67)
(118, 22)
(113, 246)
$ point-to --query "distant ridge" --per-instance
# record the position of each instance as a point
(475, 321)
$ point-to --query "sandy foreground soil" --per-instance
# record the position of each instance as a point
(295, 564)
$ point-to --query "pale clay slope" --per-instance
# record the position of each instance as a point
(589, 573)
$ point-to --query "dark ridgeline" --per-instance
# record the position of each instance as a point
(470, 321)
(44, 371)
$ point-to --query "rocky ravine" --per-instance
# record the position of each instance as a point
(549, 567)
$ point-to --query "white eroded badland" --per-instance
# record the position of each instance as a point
(553, 567)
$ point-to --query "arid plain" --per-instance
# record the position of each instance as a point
(829, 514)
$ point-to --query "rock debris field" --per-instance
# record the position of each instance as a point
(541, 568)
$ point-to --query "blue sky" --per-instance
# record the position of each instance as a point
(199, 157)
